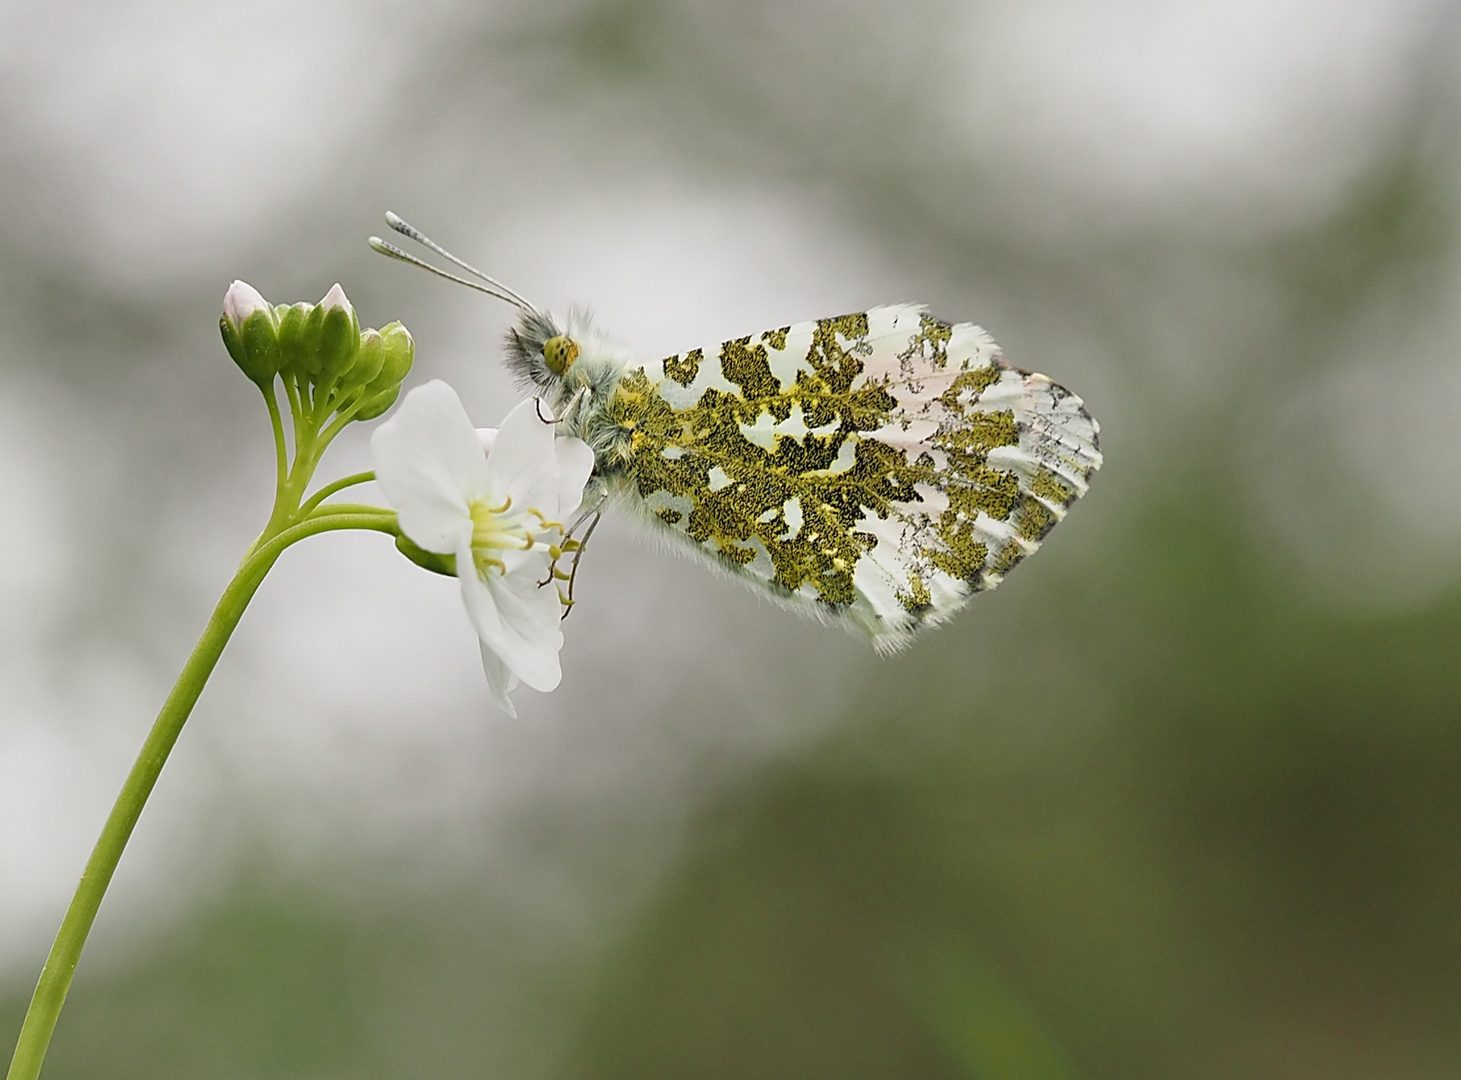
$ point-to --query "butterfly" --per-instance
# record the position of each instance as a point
(872, 470)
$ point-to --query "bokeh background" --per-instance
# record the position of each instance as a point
(1182, 799)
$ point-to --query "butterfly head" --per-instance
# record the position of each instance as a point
(558, 361)
(559, 353)
(575, 363)
(538, 351)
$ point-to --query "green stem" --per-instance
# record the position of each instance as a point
(370, 518)
(296, 407)
(334, 486)
(60, 967)
(283, 496)
(331, 509)
(343, 419)
(281, 452)
(55, 981)
(325, 403)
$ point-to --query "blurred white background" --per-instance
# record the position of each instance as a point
(1099, 184)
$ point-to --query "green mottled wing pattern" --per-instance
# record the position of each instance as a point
(874, 469)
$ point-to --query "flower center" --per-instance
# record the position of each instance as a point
(498, 528)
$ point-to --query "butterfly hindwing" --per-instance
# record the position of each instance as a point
(874, 469)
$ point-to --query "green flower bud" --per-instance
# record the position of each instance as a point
(398, 352)
(294, 338)
(370, 359)
(338, 338)
(378, 404)
(250, 332)
(314, 321)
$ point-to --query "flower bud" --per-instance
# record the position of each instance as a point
(250, 332)
(338, 336)
(370, 359)
(398, 352)
(242, 300)
(294, 338)
(314, 320)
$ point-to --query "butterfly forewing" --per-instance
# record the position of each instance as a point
(875, 469)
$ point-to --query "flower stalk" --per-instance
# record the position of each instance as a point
(330, 369)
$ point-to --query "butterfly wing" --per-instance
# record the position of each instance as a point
(874, 469)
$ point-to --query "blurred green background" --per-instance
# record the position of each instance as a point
(1180, 800)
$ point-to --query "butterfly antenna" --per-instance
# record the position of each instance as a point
(394, 252)
(405, 228)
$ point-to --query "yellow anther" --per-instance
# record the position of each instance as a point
(547, 523)
(560, 575)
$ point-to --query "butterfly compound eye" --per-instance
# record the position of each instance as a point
(559, 353)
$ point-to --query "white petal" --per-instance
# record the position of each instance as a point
(486, 436)
(530, 618)
(430, 466)
(481, 607)
(516, 620)
(523, 464)
(335, 298)
(500, 680)
(241, 301)
(517, 560)
(575, 464)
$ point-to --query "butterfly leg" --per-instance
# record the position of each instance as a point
(578, 396)
(597, 516)
(573, 545)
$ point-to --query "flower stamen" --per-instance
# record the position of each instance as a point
(548, 523)
(483, 561)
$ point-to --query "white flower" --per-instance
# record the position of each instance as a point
(242, 300)
(336, 299)
(499, 514)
